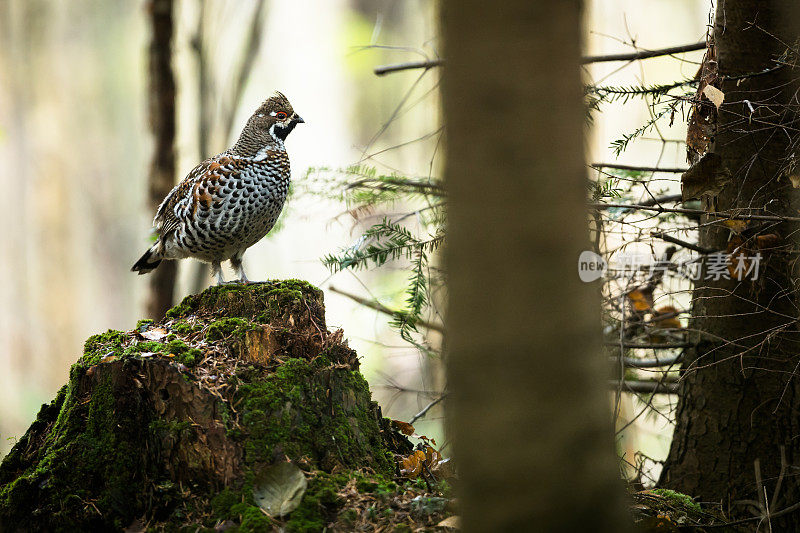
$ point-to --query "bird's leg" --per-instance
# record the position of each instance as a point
(216, 270)
(238, 266)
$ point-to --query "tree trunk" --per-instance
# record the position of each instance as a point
(175, 425)
(737, 416)
(528, 413)
(162, 125)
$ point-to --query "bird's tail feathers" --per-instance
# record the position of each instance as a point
(150, 260)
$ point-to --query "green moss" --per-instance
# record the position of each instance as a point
(172, 427)
(98, 346)
(678, 498)
(255, 521)
(320, 504)
(185, 328)
(224, 328)
(377, 485)
(143, 324)
(223, 503)
(87, 444)
(444, 488)
(259, 301)
(182, 309)
(348, 516)
(183, 353)
(143, 347)
(294, 412)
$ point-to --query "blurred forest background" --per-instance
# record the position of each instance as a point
(75, 148)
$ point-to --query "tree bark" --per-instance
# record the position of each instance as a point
(739, 395)
(162, 125)
(534, 451)
(170, 426)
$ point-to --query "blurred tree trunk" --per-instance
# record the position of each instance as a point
(162, 125)
(739, 396)
(529, 413)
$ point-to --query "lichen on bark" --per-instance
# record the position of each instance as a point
(169, 424)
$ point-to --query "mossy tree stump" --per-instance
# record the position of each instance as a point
(169, 425)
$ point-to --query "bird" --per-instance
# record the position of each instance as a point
(230, 201)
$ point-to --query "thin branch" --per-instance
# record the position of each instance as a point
(662, 199)
(651, 363)
(645, 54)
(388, 69)
(427, 408)
(642, 54)
(377, 306)
(646, 346)
(646, 387)
(721, 215)
(680, 242)
(638, 168)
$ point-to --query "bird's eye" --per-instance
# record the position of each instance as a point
(280, 115)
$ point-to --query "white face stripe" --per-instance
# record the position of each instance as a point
(262, 153)
(272, 113)
(262, 115)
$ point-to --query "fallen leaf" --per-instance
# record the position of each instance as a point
(702, 125)
(432, 457)
(641, 300)
(278, 489)
(453, 522)
(670, 321)
(403, 427)
(795, 179)
(412, 465)
(715, 95)
(770, 240)
(736, 226)
(155, 334)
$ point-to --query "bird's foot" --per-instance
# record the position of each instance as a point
(233, 282)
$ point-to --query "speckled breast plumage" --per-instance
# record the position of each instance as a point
(225, 205)
(230, 201)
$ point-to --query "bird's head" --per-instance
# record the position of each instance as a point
(276, 117)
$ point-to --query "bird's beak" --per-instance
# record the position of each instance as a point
(298, 119)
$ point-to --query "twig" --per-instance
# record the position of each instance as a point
(680, 242)
(377, 306)
(721, 215)
(646, 387)
(662, 199)
(427, 408)
(642, 54)
(639, 168)
(647, 346)
(388, 69)
(645, 54)
(651, 363)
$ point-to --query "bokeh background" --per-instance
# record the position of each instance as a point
(75, 150)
